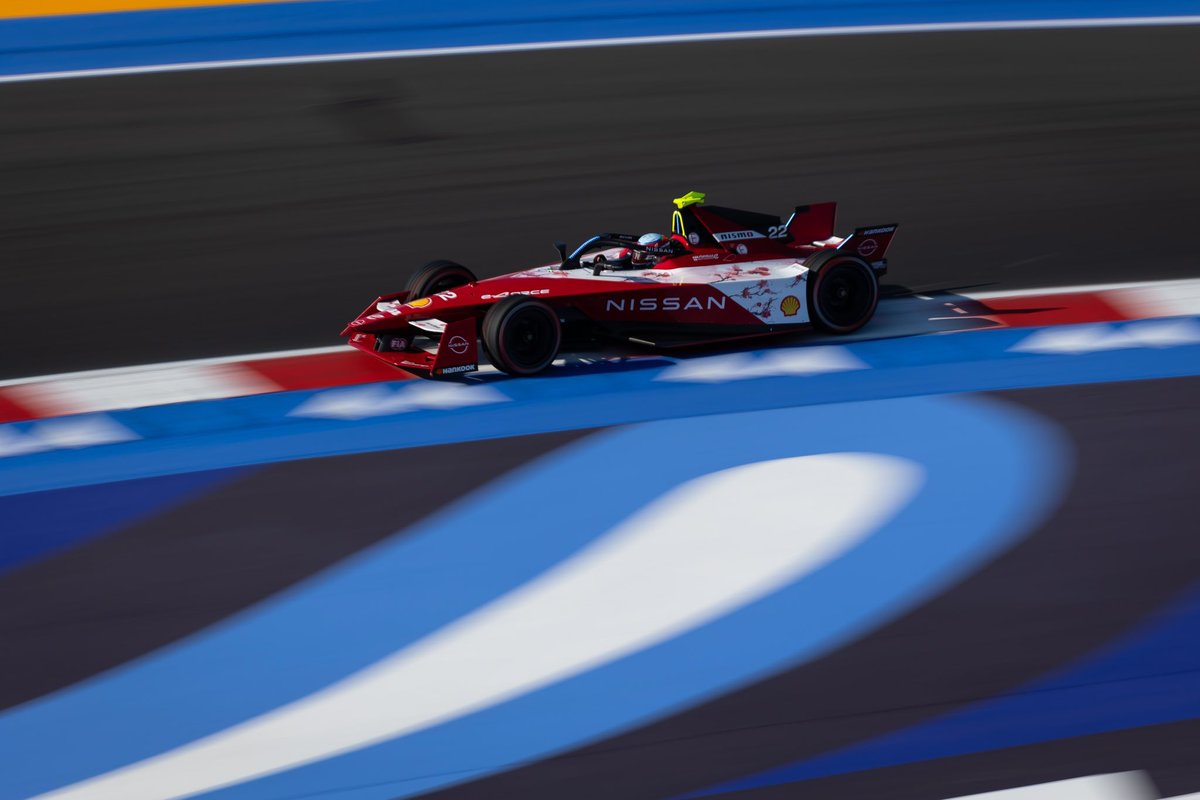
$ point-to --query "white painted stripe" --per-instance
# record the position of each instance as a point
(744, 366)
(135, 388)
(57, 434)
(1115, 786)
(691, 556)
(377, 401)
(1180, 284)
(1098, 337)
(845, 30)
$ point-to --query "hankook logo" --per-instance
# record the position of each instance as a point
(671, 303)
(460, 368)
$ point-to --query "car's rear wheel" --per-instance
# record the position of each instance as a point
(438, 276)
(522, 335)
(843, 291)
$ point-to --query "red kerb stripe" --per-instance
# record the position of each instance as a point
(325, 370)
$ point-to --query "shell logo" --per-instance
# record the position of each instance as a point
(790, 305)
(424, 301)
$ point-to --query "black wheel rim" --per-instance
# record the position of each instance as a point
(846, 295)
(529, 339)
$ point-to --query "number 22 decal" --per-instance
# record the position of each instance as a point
(777, 232)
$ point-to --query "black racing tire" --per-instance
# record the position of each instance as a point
(843, 291)
(522, 335)
(437, 276)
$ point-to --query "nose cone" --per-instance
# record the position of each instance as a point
(380, 315)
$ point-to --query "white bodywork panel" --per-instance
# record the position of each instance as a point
(774, 290)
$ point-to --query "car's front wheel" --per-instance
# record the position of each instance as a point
(842, 291)
(437, 276)
(522, 335)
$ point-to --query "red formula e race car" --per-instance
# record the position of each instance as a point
(721, 274)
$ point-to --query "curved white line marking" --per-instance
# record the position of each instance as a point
(705, 548)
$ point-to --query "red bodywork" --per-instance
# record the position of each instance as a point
(725, 274)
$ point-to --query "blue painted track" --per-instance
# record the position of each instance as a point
(134, 39)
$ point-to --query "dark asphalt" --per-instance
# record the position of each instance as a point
(161, 217)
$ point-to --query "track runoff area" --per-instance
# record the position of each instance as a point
(114, 482)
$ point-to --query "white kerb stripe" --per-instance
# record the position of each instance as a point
(135, 388)
(1175, 299)
(1186, 285)
(1115, 786)
(698, 552)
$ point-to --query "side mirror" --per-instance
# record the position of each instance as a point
(561, 247)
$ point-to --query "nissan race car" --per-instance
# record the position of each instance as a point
(721, 274)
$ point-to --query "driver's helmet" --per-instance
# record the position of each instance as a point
(655, 240)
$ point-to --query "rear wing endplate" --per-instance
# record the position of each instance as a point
(871, 243)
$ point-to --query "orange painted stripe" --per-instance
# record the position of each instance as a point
(51, 8)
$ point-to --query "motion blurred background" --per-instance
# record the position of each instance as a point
(188, 180)
(207, 212)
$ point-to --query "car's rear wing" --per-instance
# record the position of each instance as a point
(812, 223)
(870, 243)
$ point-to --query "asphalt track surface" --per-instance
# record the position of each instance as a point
(161, 217)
